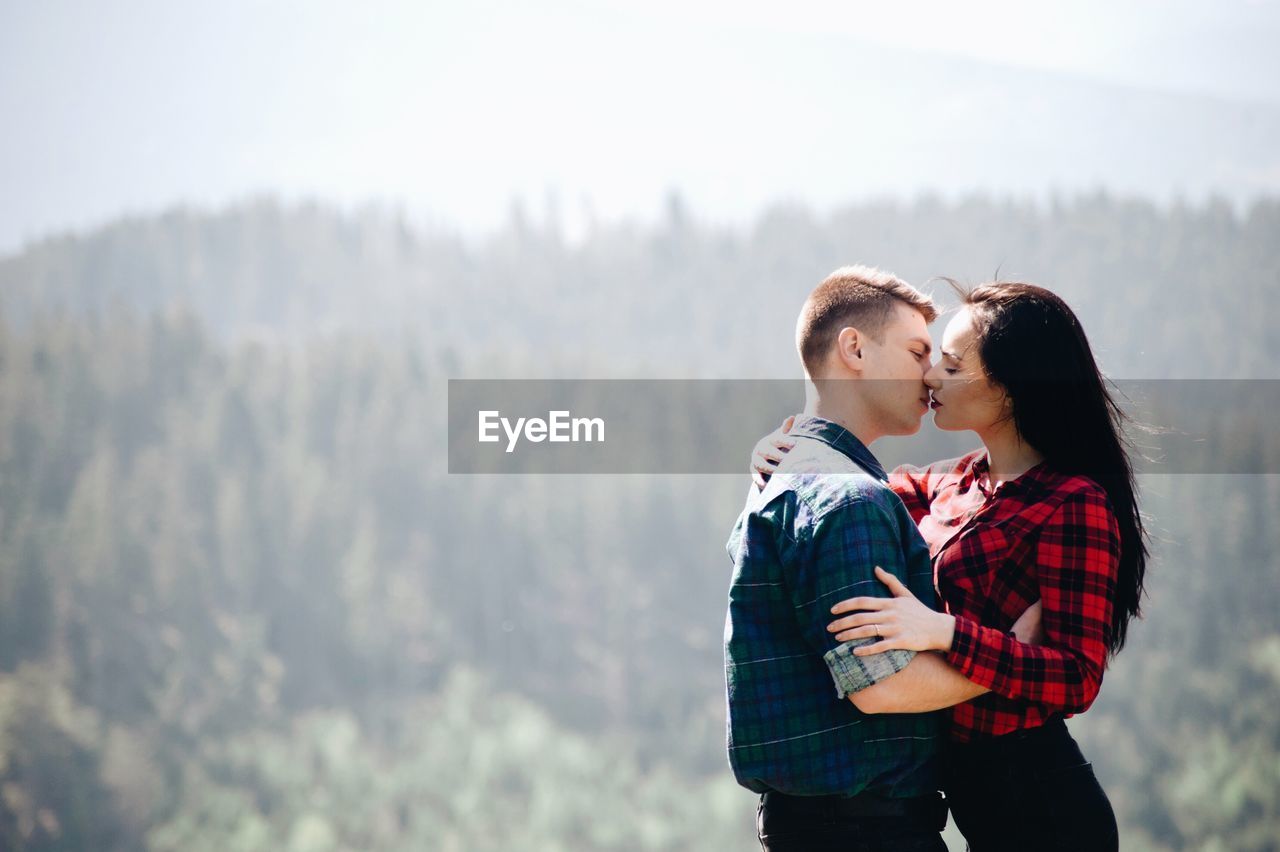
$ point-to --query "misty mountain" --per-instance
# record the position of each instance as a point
(596, 112)
(681, 298)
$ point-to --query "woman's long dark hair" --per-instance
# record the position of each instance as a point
(1032, 344)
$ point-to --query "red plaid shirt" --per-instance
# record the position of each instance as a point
(1045, 536)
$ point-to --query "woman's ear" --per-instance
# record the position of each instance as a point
(1006, 402)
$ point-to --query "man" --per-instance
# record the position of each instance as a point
(832, 771)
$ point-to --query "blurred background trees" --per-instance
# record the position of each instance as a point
(243, 606)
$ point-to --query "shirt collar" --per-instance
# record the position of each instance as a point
(1027, 480)
(840, 439)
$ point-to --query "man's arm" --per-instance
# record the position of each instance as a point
(835, 562)
(927, 683)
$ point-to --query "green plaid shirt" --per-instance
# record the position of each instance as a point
(812, 538)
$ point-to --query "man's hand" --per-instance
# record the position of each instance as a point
(901, 621)
(1029, 628)
(769, 452)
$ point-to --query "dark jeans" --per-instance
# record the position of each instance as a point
(1030, 789)
(860, 824)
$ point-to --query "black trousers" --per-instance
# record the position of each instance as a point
(858, 824)
(1030, 789)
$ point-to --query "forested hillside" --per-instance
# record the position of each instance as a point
(243, 605)
(681, 297)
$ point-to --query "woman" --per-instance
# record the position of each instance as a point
(1046, 512)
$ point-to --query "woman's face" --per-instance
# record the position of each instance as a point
(964, 398)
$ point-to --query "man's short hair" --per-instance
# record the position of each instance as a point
(857, 296)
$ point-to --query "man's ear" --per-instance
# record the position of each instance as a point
(849, 348)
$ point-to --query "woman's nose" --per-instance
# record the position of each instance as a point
(933, 378)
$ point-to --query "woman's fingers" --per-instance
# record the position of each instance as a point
(888, 644)
(857, 620)
(768, 453)
(895, 585)
(869, 631)
(852, 604)
(766, 457)
(760, 473)
(773, 454)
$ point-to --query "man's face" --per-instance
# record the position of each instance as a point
(895, 368)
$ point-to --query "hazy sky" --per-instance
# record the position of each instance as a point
(453, 110)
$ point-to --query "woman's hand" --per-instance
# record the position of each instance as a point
(769, 452)
(898, 622)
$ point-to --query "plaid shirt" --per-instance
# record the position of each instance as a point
(1045, 536)
(809, 540)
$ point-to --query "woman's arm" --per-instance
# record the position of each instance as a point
(928, 682)
(1077, 561)
(912, 484)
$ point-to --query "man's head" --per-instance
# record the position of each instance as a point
(862, 323)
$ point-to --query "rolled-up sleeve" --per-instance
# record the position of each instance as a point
(852, 673)
(837, 562)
